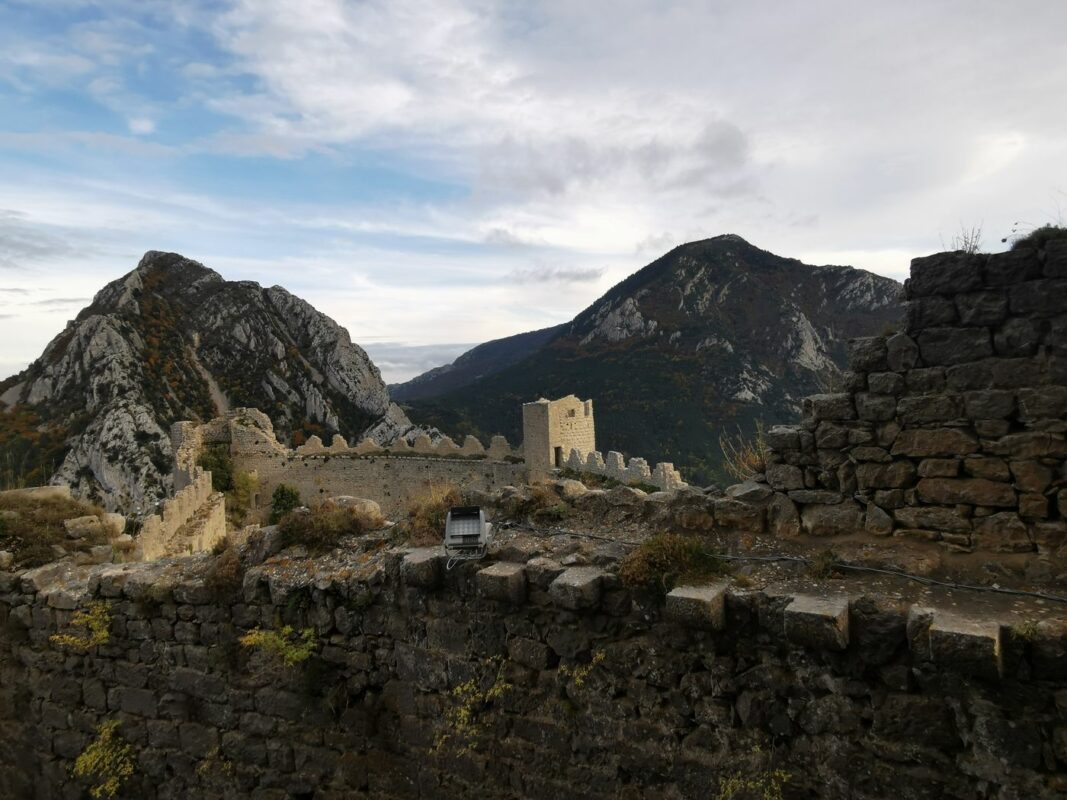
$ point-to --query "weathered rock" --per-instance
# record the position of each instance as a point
(1003, 532)
(737, 515)
(818, 622)
(928, 312)
(947, 346)
(877, 521)
(503, 581)
(1018, 336)
(944, 273)
(817, 496)
(932, 518)
(577, 588)
(902, 353)
(749, 492)
(989, 404)
(867, 354)
(893, 475)
(784, 477)
(1043, 298)
(886, 383)
(875, 407)
(783, 438)
(925, 443)
(929, 409)
(939, 468)
(829, 407)
(831, 520)
(994, 469)
(783, 519)
(972, 491)
(1011, 267)
(982, 308)
(698, 606)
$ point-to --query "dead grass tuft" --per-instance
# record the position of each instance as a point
(322, 527)
(667, 560)
(744, 456)
(30, 526)
(425, 523)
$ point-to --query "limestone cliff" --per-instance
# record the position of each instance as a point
(712, 335)
(172, 340)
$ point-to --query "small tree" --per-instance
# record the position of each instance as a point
(284, 500)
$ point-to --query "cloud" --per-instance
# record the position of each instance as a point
(556, 275)
(60, 301)
(401, 362)
(23, 242)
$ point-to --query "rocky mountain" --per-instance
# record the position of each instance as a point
(172, 340)
(478, 362)
(711, 337)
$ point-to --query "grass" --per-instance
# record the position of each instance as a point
(744, 456)
(29, 526)
(322, 527)
(226, 573)
(289, 648)
(667, 560)
(425, 523)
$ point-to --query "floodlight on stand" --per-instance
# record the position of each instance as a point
(467, 534)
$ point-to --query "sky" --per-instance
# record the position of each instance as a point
(436, 173)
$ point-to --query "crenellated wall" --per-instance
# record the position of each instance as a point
(952, 432)
(520, 680)
(664, 476)
(191, 521)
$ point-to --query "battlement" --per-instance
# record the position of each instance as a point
(664, 476)
(191, 521)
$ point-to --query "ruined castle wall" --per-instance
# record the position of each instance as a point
(665, 477)
(192, 521)
(392, 482)
(571, 685)
(952, 431)
(552, 428)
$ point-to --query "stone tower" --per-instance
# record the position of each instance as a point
(551, 428)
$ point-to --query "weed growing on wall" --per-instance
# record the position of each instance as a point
(226, 571)
(667, 560)
(744, 456)
(290, 648)
(96, 620)
(578, 675)
(322, 528)
(107, 763)
(764, 784)
(425, 523)
(465, 718)
(285, 499)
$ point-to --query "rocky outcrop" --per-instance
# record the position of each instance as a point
(714, 334)
(953, 431)
(172, 340)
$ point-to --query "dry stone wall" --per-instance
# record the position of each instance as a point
(191, 521)
(951, 431)
(569, 685)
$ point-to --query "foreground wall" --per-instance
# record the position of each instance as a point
(574, 687)
(951, 432)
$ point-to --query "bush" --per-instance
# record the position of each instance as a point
(285, 499)
(239, 498)
(29, 526)
(289, 648)
(742, 456)
(226, 572)
(323, 527)
(216, 459)
(1039, 237)
(96, 620)
(667, 560)
(425, 524)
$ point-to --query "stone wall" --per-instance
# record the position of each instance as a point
(574, 687)
(664, 476)
(191, 521)
(952, 431)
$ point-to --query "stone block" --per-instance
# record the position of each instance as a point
(784, 477)
(944, 273)
(1045, 402)
(423, 567)
(875, 407)
(1034, 444)
(85, 527)
(1002, 532)
(1018, 336)
(1018, 373)
(818, 622)
(749, 492)
(929, 312)
(877, 454)
(1031, 476)
(577, 588)
(925, 380)
(877, 521)
(972, 491)
(1011, 267)
(829, 407)
(1033, 506)
(932, 518)
(889, 383)
(529, 652)
(783, 519)
(989, 467)
(1055, 259)
(947, 346)
(831, 436)
(503, 581)
(895, 475)
(925, 443)
(737, 515)
(982, 308)
(867, 354)
(817, 496)
(542, 571)
(1043, 298)
(989, 404)
(698, 606)
(929, 409)
(902, 353)
(939, 468)
(970, 647)
(783, 438)
(832, 520)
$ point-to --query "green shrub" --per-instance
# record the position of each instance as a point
(216, 459)
(667, 560)
(291, 649)
(239, 498)
(323, 527)
(285, 499)
(96, 620)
